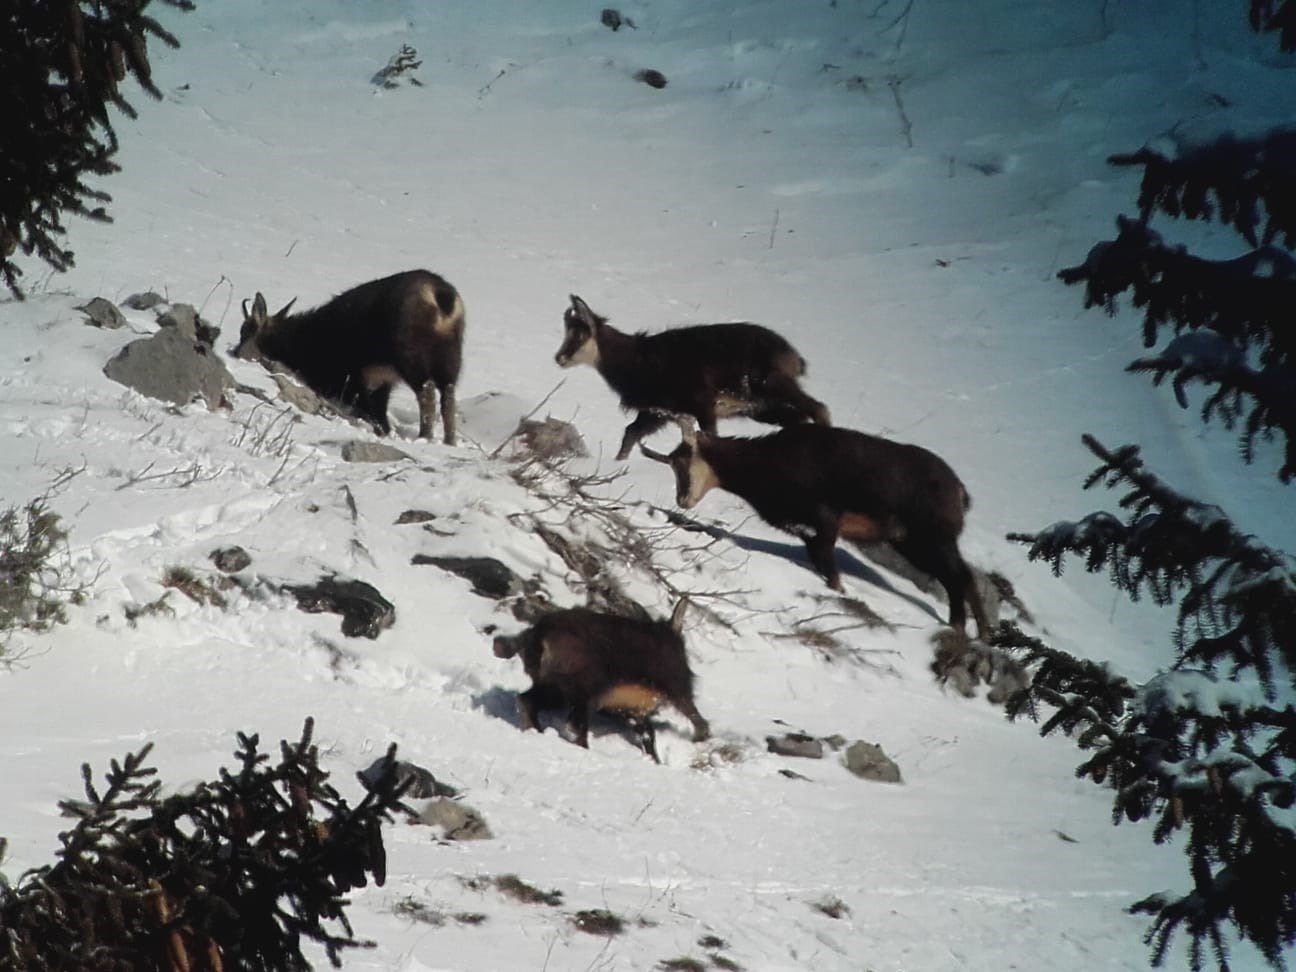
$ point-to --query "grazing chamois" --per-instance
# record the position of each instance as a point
(407, 327)
(586, 661)
(820, 483)
(708, 371)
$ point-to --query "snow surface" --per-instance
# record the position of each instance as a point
(891, 185)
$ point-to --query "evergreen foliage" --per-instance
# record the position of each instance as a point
(231, 875)
(36, 582)
(1206, 749)
(64, 63)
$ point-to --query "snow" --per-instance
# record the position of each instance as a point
(891, 186)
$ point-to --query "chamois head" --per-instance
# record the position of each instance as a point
(694, 477)
(255, 322)
(580, 344)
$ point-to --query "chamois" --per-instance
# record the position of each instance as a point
(708, 371)
(407, 327)
(586, 661)
(820, 483)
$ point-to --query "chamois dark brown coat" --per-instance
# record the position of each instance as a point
(585, 661)
(822, 483)
(407, 327)
(708, 371)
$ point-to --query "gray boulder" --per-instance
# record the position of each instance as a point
(867, 761)
(102, 312)
(172, 368)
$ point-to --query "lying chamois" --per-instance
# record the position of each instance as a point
(708, 371)
(407, 327)
(820, 483)
(586, 661)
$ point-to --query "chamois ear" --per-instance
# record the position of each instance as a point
(259, 312)
(677, 616)
(583, 312)
(283, 311)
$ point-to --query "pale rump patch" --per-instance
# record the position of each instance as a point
(446, 324)
(378, 376)
(634, 700)
(857, 526)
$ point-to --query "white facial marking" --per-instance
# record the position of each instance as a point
(701, 480)
(587, 353)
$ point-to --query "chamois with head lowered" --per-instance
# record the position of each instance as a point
(823, 483)
(708, 371)
(586, 661)
(407, 327)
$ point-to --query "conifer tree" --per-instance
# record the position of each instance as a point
(234, 874)
(1206, 748)
(62, 64)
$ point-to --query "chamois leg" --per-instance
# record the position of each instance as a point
(427, 406)
(647, 735)
(944, 562)
(701, 729)
(821, 545)
(449, 415)
(372, 403)
(578, 723)
(528, 707)
(785, 403)
(645, 424)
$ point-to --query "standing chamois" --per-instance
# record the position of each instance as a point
(708, 371)
(407, 327)
(585, 661)
(820, 483)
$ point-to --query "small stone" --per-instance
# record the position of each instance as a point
(867, 761)
(458, 820)
(415, 516)
(795, 744)
(358, 451)
(102, 312)
(422, 784)
(230, 560)
(651, 77)
(488, 576)
(364, 611)
(143, 301)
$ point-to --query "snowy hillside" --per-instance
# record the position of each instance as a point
(892, 186)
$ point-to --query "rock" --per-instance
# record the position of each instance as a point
(184, 317)
(651, 77)
(143, 301)
(614, 20)
(964, 664)
(551, 439)
(360, 451)
(364, 611)
(415, 516)
(795, 744)
(422, 784)
(173, 368)
(300, 397)
(867, 761)
(102, 312)
(488, 576)
(230, 560)
(458, 821)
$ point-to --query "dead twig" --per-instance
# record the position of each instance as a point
(539, 405)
